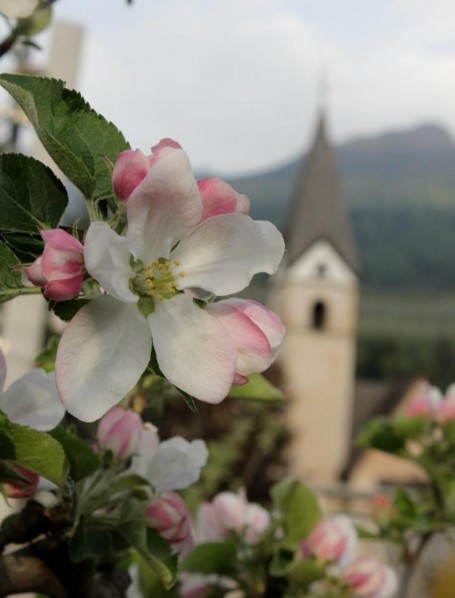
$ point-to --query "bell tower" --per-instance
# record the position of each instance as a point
(316, 296)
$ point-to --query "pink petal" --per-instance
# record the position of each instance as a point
(165, 206)
(218, 197)
(35, 273)
(193, 349)
(61, 290)
(130, 169)
(101, 356)
(223, 253)
(59, 239)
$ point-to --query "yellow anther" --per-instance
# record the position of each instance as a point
(149, 283)
(182, 274)
(176, 262)
(160, 298)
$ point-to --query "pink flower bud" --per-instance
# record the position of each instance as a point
(368, 578)
(169, 516)
(60, 268)
(331, 540)
(256, 331)
(218, 197)
(229, 512)
(120, 431)
(382, 509)
(131, 167)
(25, 488)
(426, 401)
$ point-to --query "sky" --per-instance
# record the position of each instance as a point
(239, 82)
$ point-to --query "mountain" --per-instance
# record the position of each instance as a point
(399, 188)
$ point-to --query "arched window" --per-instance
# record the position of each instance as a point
(319, 315)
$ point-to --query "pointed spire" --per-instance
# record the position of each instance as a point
(317, 210)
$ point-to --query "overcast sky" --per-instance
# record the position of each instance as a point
(236, 81)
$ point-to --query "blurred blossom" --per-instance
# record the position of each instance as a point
(146, 448)
(332, 540)
(229, 512)
(15, 9)
(368, 578)
(170, 517)
(382, 509)
(120, 431)
(25, 488)
(426, 401)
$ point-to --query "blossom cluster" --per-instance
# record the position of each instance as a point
(428, 401)
(185, 243)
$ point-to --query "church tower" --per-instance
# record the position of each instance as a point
(317, 300)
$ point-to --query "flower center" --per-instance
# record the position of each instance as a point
(157, 280)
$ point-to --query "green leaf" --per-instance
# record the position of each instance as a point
(257, 389)
(212, 557)
(77, 138)
(281, 562)
(132, 527)
(26, 246)
(92, 540)
(40, 453)
(7, 450)
(299, 510)
(66, 310)
(410, 428)
(81, 458)
(46, 359)
(11, 284)
(305, 572)
(449, 431)
(35, 23)
(379, 434)
(31, 196)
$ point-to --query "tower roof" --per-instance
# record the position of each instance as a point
(317, 210)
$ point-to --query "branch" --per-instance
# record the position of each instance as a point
(20, 574)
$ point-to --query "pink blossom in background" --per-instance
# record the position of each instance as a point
(146, 274)
(368, 578)
(382, 508)
(218, 197)
(256, 331)
(60, 268)
(447, 406)
(229, 512)
(120, 431)
(170, 517)
(22, 489)
(332, 540)
(426, 401)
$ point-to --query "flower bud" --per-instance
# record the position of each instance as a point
(130, 169)
(331, 540)
(425, 402)
(229, 512)
(169, 516)
(218, 197)
(368, 578)
(119, 431)
(382, 509)
(25, 488)
(60, 268)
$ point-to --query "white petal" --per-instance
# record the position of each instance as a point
(18, 8)
(33, 401)
(224, 252)
(102, 354)
(164, 207)
(107, 259)
(2, 370)
(177, 464)
(193, 349)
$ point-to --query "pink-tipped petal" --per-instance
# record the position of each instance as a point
(193, 349)
(165, 206)
(223, 253)
(218, 197)
(35, 273)
(57, 238)
(107, 259)
(102, 354)
(62, 290)
(130, 169)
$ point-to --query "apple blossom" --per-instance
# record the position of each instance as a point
(229, 512)
(25, 488)
(170, 517)
(15, 9)
(167, 251)
(446, 411)
(332, 540)
(31, 400)
(119, 431)
(426, 401)
(255, 330)
(368, 578)
(60, 269)
(146, 448)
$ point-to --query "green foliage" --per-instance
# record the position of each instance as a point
(31, 196)
(11, 284)
(379, 433)
(77, 138)
(81, 458)
(257, 389)
(6, 439)
(212, 557)
(35, 23)
(40, 453)
(299, 510)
